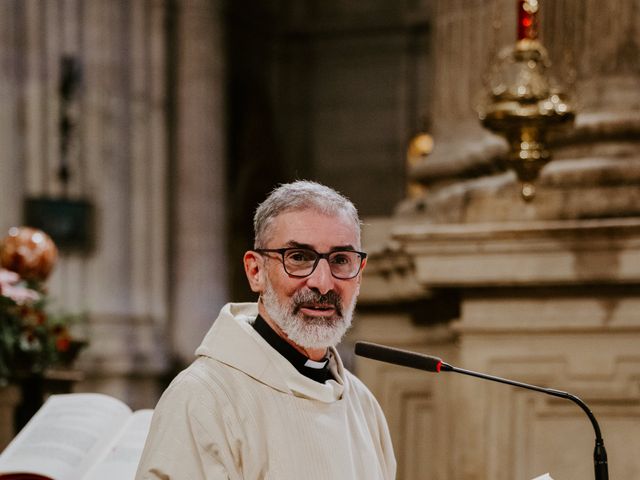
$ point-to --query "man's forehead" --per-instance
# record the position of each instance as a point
(296, 244)
(310, 227)
(312, 215)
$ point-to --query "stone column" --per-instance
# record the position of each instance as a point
(11, 155)
(199, 224)
(123, 282)
(548, 303)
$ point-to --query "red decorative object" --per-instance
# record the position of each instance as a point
(528, 19)
(523, 103)
(29, 252)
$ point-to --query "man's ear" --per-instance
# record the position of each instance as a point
(254, 269)
(364, 264)
(359, 277)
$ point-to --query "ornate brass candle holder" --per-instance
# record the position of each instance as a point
(522, 104)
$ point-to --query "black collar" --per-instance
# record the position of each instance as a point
(318, 371)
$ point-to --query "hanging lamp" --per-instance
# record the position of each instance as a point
(522, 103)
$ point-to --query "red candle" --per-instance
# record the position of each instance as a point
(528, 19)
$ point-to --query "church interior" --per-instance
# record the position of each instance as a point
(492, 148)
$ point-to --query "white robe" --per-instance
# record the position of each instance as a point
(242, 411)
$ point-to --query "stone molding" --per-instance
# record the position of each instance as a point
(477, 152)
(533, 253)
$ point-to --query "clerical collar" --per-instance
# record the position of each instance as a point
(318, 371)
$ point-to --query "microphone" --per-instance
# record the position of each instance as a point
(429, 363)
(398, 356)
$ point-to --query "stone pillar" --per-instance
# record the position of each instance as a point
(548, 303)
(11, 154)
(199, 223)
(123, 282)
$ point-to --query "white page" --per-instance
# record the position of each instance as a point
(546, 476)
(120, 461)
(64, 434)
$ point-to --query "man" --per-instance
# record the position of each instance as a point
(268, 396)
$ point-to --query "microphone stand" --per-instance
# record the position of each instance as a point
(599, 452)
(435, 364)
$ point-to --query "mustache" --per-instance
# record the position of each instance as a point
(311, 296)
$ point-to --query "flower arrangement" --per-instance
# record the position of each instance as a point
(32, 339)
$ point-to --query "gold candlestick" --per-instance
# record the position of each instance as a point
(521, 104)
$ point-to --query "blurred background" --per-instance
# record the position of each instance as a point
(491, 147)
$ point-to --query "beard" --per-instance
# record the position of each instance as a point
(306, 331)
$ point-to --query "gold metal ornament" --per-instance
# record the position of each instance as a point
(522, 102)
(420, 146)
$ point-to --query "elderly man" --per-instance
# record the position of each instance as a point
(268, 396)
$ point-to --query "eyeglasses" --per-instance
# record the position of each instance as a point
(301, 262)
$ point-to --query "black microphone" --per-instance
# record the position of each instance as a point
(398, 357)
(434, 364)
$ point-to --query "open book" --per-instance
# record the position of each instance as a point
(78, 436)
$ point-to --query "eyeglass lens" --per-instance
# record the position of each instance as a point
(301, 262)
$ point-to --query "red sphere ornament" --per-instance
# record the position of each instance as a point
(29, 252)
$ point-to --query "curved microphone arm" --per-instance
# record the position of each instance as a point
(435, 364)
(599, 452)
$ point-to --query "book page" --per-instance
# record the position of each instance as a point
(122, 457)
(65, 435)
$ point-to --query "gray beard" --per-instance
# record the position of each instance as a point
(305, 331)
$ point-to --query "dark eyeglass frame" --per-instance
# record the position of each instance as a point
(319, 256)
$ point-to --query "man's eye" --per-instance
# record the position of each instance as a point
(341, 259)
(300, 256)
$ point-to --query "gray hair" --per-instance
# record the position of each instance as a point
(301, 195)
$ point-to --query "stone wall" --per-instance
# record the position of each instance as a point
(148, 151)
(544, 292)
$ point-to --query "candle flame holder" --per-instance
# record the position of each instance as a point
(522, 103)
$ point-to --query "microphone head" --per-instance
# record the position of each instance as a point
(398, 356)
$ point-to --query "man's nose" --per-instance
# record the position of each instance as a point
(321, 279)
